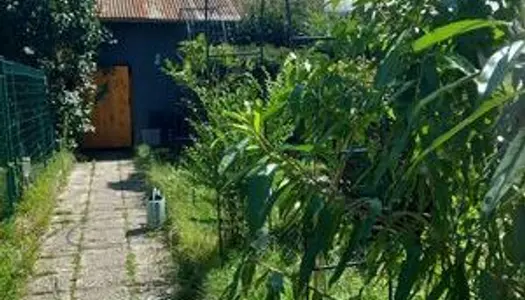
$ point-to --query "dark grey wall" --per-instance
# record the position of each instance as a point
(143, 47)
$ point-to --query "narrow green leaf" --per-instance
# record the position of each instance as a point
(391, 65)
(257, 123)
(231, 155)
(406, 85)
(374, 207)
(513, 240)
(231, 290)
(262, 278)
(451, 30)
(294, 100)
(488, 287)
(257, 191)
(226, 161)
(285, 199)
(429, 78)
(409, 271)
(298, 148)
(519, 226)
(461, 285)
(361, 231)
(248, 271)
(235, 116)
(274, 108)
(313, 248)
(400, 143)
(317, 296)
(241, 127)
(442, 286)
(242, 144)
(481, 111)
(321, 222)
(459, 62)
(508, 173)
(439, 92)
(497, 67)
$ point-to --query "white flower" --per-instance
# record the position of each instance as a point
(28, 51)
(297, 205)
(307, 66)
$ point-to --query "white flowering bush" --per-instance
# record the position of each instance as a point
(62, 37)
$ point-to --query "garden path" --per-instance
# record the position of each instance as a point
(97, 247)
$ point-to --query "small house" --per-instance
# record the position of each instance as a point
(139, 103)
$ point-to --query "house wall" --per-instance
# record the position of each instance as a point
(143, 47)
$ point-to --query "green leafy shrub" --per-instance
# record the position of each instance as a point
(193, 242)
(393, 152)
(62, 37)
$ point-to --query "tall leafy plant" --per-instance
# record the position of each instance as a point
(400, 156)
(62, 37)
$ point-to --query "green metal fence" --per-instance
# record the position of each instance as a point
(26, 128)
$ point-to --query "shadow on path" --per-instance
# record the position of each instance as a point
(134, 183)
(104, 154)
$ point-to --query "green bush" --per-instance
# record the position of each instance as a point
(62, 37)
(394, 151)
(20, 236)
(193, 244)
(273, 27)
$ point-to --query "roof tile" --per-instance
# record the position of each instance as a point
(168, 10)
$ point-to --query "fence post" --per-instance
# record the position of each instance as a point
(4, 195)
(15, 140)
(10, 188)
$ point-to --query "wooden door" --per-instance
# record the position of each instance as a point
(112, 113)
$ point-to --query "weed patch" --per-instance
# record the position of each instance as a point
(20, 235)
(192, 238)
(190, 232)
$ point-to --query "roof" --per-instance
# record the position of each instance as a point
(168, 10)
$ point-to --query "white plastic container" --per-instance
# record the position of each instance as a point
(156, 210)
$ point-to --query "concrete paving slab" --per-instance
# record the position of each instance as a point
(53, 283)
(97, 227)
(49, 296)
(96, 238)
(54, 265)
(105, 224)
(61, 241)
(102, 268)
(108, 293)
(100, 258)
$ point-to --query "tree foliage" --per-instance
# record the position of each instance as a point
(62, 37)
(395, 149)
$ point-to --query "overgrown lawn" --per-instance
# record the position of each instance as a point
(20, 235)
(191, 232)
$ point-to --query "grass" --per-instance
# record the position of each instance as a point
(190, 231)
(20, 235)
(192, 238)
(131, 267)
